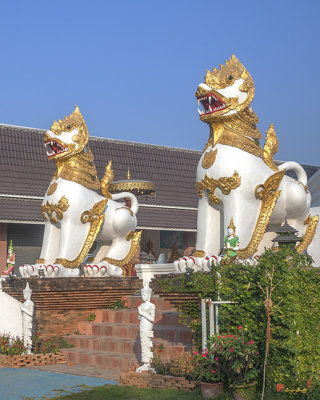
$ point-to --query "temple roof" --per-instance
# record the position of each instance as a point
(25, 173)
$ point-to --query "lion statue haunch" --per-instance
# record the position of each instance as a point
(78, 209)
(237, 178)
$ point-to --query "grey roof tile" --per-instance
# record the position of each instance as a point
(26, 170)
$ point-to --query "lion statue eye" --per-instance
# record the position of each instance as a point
(69, 127)
(230, 77)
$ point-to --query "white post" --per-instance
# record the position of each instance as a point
(217, 318)
(211, 318)
(204, 323)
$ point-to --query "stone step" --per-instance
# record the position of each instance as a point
(100, 359)
(129, 316)
(122, 346)
(173, 334)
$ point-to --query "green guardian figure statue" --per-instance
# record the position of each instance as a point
(231, 245)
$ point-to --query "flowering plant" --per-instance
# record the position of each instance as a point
(48, 345)
(236, 357)
(11, 346)
(205, 367)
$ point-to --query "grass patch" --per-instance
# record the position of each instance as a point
(116, 392)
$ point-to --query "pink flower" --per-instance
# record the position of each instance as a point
(219, 337)
(258, 353)
(195, 353)
(231, 350)
(218, 358)
(252, 341)
(213, 371)
(204, 355)
(239, 327)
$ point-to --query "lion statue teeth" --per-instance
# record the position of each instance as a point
(79, 210)
(237, 178)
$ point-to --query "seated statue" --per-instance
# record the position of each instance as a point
(231, 245)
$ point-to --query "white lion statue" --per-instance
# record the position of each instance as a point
(237, 178)
(79, 210)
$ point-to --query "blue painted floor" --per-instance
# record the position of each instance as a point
(25, 384)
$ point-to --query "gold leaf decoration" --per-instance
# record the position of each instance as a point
(208, 159)
(225, 184)
(52, 188)
(268, 194)
(270, 148)
(198, 253)
(135, 242)
(48, 210)
(311, 227)
(95, 217)
(106, 180)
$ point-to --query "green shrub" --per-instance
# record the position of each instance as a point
(294, 355)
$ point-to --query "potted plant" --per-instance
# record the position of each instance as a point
(208, 372)
(238, 360)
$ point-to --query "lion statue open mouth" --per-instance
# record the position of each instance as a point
(79, 210)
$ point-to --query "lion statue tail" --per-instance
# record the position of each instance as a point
(127, 195)
(300, 172)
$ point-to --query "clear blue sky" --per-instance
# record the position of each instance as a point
(133, 66)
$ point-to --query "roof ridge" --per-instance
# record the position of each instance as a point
(38, 130)
(98, 138)
(145, 144)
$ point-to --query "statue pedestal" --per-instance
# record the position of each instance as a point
(148, 271)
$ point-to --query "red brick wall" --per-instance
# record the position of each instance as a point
(50, 323)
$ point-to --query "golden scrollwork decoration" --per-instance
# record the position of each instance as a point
(52, 188)
(244, 143)
(49, 209)
(198, 253)
(130, 235)
(268, 193)
(135, 242)
(225, 184)
(311, 227)
(79, 168)
(209, 158)
(270, 148)
(107, 180)
(95, 217)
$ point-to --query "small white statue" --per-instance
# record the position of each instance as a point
(146, 316)
(27, 309)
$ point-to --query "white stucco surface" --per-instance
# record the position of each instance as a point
(10, 315)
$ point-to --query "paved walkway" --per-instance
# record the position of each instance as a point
(38, 384)
(82, 370)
